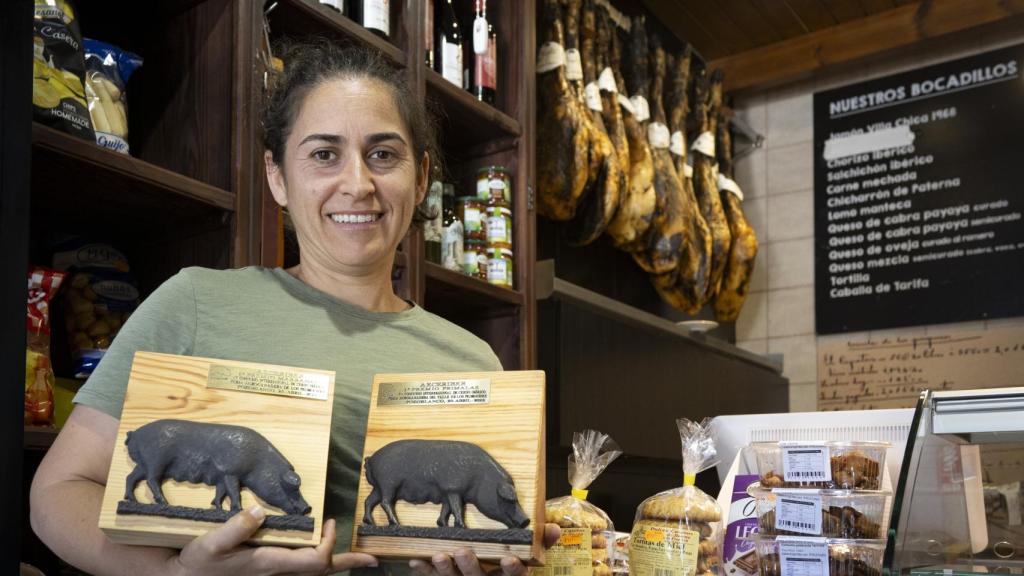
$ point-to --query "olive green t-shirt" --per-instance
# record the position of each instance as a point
(267, 315)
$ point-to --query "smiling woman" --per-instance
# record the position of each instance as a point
(348, 151)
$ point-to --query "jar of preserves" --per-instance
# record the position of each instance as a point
(499, 266)
(474, 259)
(490, 180)
(499, 226)
(472, 212)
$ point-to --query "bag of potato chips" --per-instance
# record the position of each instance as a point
(100, 296)
(675, 531)
(587, 532)
(43, 284)
(58, 69)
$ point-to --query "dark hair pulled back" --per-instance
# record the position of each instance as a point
(311, 62)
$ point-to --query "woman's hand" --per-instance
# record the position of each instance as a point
(464, 563)
(223, 551)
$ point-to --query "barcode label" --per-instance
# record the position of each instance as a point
(806, 463)
(562, 570)
(798, 511)
(664, 572)
(805, 557)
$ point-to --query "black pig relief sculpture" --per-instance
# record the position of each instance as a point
(450, 473)
(220, 455)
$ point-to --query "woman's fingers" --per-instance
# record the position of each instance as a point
(552, 532)
(350, 560)
(233, 533)
(468, 563)
(444, 565)
(511, 566)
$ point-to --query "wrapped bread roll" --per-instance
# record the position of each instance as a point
(675, 531)
(587, 531)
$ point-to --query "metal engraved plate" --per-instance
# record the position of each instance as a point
(278, 382)
(434, 392)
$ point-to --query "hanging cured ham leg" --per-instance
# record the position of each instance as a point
(636, 207)
(743, 250)
(705, 178)
(607, 178)
(563, 135)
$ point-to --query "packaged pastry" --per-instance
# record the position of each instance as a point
(587, 532)
(843, 465)
(674, 533)
(841, 557)
(821, 512)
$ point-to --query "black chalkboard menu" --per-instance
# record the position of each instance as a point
(918, 195)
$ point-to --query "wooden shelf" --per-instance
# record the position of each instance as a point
(468, 124)
(40, 437)
(87, 163)
(446, 288)
(81, 187)
(299, 18)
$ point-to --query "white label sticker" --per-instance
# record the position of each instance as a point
(592, 94)
(657, 135)
(376, 15)
(677, 145)
(805, 463)
(607, 81)
(643, 112)
(497, 231)
(803, 556)
(626, 104)
(798, 511)
(451, 63)
(550, 56)
(705, 144)
(497, 271)
(573, 65)
(728, 184)
(480, 35)
(688, 169)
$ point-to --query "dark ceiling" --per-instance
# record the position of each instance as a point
(719, 28)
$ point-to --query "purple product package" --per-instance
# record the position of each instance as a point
(738, 552)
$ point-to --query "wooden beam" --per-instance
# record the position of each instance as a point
(896, 28)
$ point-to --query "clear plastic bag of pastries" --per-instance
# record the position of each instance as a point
(587, 532)
(676, 532)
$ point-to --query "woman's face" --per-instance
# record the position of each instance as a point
(350, 178)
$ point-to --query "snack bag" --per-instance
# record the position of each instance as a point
(100, 297)
(675, 531)
(58, 69)
(107, 70)
(43, 284)
(587, 532)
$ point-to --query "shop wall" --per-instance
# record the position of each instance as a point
(777, 180)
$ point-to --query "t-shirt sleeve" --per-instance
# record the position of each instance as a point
(164, 322)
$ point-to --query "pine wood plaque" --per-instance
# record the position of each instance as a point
(288, 407)
(436, 437)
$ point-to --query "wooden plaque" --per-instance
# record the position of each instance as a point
(502, 413)
(290, 407)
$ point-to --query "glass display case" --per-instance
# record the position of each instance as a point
(958, 506)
